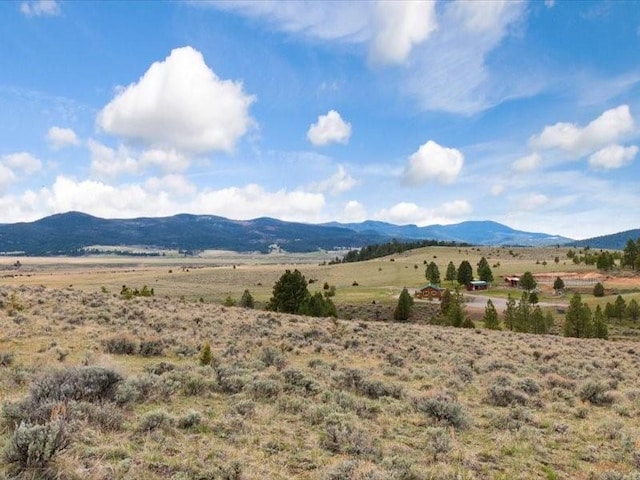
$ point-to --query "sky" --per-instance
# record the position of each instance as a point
(524, 113)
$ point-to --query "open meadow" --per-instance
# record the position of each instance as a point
(98, 386)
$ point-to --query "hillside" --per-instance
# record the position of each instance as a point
(69, 233)
(615, 241)
(295, 397)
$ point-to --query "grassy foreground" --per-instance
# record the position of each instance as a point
(296, 397)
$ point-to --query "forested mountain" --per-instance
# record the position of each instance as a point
(615, 241)
(69, 233)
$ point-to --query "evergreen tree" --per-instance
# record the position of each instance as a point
(600, 329)
(490, 318)
(452, 273)
(456, 313)
(510, 313)
(317, 305)
(523, 315)
(605, 261)
(598, 290)
(403, 309)
(206, 357)
(246, 300)
(633, 310)
(484, 271)
(527, 282)
(630, 254)
(558, 284)
(533, 298)
(620, 307)
(577, 321)
(609, 310)
(289, 292)
(432, 273)
(539, 323)
(548, 320)
(465, 273)
(445, 302)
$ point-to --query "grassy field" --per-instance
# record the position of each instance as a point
(297, 397)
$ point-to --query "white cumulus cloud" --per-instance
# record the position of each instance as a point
(167, 160)
(338, 183)
(108, 163)
(180, 103)
(410, 213)
(612, 156)
(353, 212)
(527, 163)
(433, 162)
(608, 128)
(399, 26)
(7, 177)
(38, 8)
(330, 128)
(22, 161)
(59, 137)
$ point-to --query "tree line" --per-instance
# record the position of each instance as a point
(370, 252)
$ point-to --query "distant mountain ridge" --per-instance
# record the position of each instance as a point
(615, 241)
(68, 233)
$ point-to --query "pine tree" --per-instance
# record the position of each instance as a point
(433, 273)
(539, 323)
(452, 272)
(620, 307)
(206, 357)
(490, 318)
(558, 284)
(289, 292)
(598, 290)
(523, 315)
(246, 300)
(577, 321)
(484, 271)
(510, 313)
(600, 329)
(403, 309)
(633, 310)
(465, 273)
(445, 302)
(630, 254)
(527, 282)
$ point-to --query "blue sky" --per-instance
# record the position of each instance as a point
(525, 113)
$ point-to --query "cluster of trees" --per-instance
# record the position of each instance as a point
(603, 260)
(452, 310)
(390, 248)
(580, 322)
(463, 274)
(291, 295)
(525, 316)
(621, 310)
(631, 254)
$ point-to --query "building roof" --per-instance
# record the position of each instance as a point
(431, 285)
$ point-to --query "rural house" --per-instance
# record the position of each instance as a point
(429, 291)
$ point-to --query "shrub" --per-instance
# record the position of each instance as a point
(32, 447)
(598, 290)
(90, 384)
(595, 393)
(120, 345)
(340, 436)
(504, 396)
(154, 420)
(264, 389)
(442, 408)
(151, 348)
(190, 420)
(246, 300)
(6, 359)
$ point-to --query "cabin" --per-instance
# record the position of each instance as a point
(512, 281)
(477, 285)
(430, 292)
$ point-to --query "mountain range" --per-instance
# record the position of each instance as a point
(70, 233)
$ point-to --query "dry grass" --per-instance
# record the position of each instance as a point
(296, 397)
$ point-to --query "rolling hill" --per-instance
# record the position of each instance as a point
(69, 233)
(615, 241)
